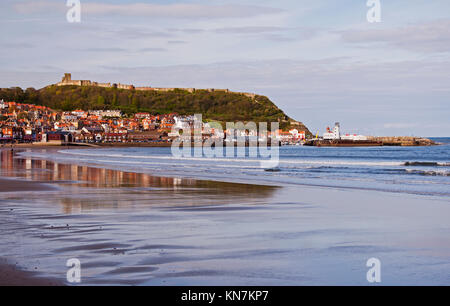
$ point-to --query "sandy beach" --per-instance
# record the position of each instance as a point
(12, 185)
(131, 228)
(10, 275)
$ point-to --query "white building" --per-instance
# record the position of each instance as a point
(79, 113)
(354, 137)
(106, 128)
(182, 122)
(69, 117)
(106, 113)
(335, 134)
(174, 134)
(297, 135)
(3, 105)
(219, 134)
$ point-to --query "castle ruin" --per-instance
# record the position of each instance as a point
(67, 81)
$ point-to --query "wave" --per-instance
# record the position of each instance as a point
(382, 175)
(326, 166)
(239, 160)
(428, 172)
(426, 164)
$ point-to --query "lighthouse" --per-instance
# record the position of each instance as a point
(333, 135)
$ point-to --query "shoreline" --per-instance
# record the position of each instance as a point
(47, 184)
(217, 180)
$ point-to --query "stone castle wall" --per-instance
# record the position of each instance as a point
(67, 81)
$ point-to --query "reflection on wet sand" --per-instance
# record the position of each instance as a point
(137, 229)
(87, 188)
(124, 227)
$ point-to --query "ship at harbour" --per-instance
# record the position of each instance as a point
(334, 138)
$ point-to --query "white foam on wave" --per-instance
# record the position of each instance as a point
(241, 160)
(429, 172)
(249, 170)
(169, 164)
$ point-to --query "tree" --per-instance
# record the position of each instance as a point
(114, 100)
(135, 104)
(100, 101)
(220, 106)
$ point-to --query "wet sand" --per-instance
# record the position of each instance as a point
(137, 229)
(20, 146)
(17, 185)
(76, 190)
(10, 275)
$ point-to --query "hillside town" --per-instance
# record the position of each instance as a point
(27, 123)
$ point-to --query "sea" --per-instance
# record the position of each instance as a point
(143, 216)
(415, 170)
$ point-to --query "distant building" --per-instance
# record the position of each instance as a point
(298, 135)
(123, 86)
(142, 115)
(80, 113)
(69, 117)
(183, 122)
(146, 136)
(67, 81)
(354, 137)
(106, 113)
(57, 137)
(334, 134)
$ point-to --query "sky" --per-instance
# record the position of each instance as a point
(320, 61)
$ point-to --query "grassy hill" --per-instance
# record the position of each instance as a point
(220, 106)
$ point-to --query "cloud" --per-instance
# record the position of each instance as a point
(118, 50)
(153, 50)
(372, 98)
(249, 30)
(273, 33)
(105, 50)
(31, 7)
(332, 78)
(176, 10)
(136, 33)
(186, 31)
(179, 10)
(424, 37)
(177, 42)
(278, 38)
(399, 125)
(19, 45)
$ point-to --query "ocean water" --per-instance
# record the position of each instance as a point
(416, 170)
(134, 216)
